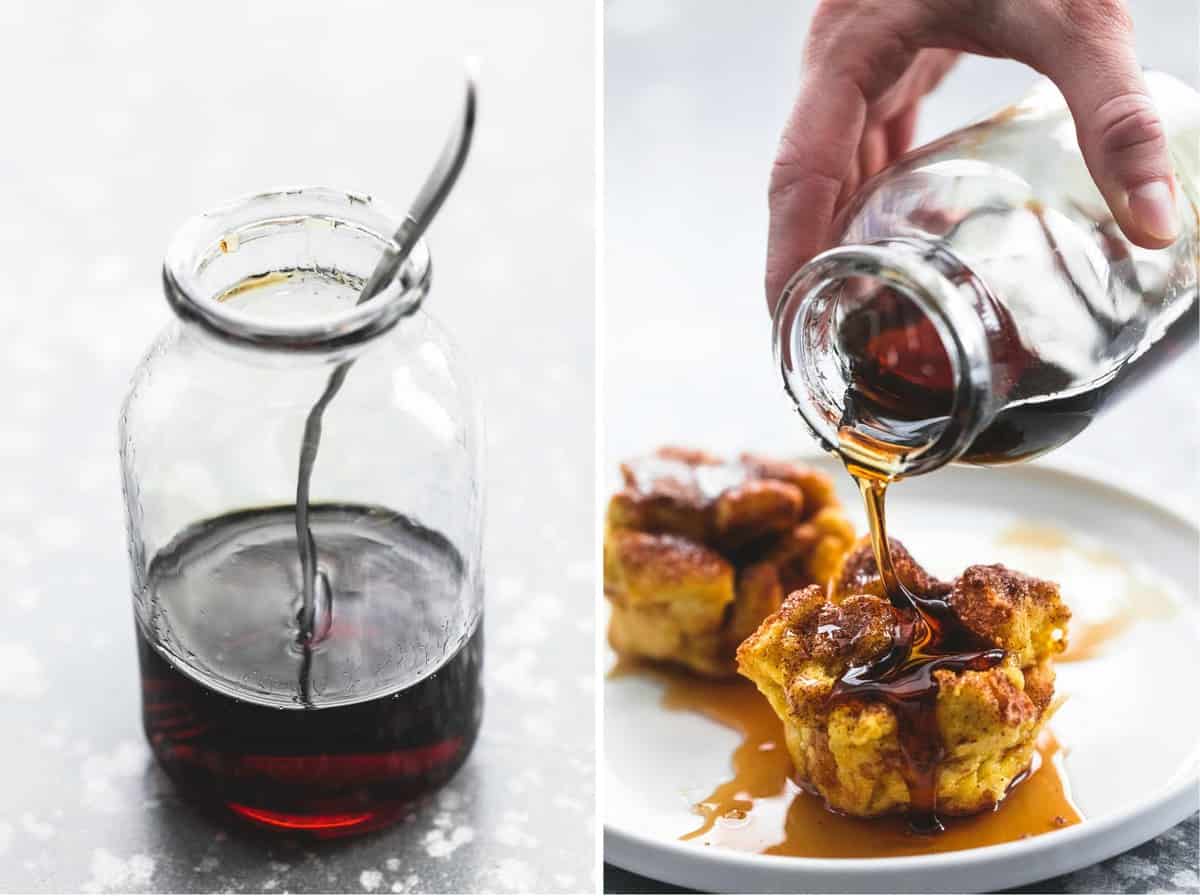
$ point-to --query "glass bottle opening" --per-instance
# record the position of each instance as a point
(885, 359)
(282, 270)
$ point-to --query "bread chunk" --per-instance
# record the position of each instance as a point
(988, 721)
(698, 551)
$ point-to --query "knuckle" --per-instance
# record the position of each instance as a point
(793, 177)
(1129, 126)
(1087, 17)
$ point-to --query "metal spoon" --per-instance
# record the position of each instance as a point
(429, 201)
(433, 193)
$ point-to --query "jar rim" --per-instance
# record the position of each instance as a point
(211, 233)
(810, 293)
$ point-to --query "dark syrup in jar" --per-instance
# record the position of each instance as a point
(901, 380)
(330, 739)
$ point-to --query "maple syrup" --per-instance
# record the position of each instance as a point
(366, 727)
(901, 380)
(928, 636)
(761, 809)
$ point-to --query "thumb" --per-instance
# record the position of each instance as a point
(1121, 136)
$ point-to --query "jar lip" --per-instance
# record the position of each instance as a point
(958, 326)
(209, 234)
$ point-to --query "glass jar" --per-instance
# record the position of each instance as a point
(980, 303)
(326, 715)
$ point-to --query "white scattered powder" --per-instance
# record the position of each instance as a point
(513, 875)
(511, 831)
(99, 640)
(1130, 865)
(280, 867)
(450, 800)
(393, 864)
(207, 864)
(21, 674)
(18, 445)
(110, 872)
(25, 598)
(58, 532)
(16, 503)
(40, 829)
(517, 671)
(523, 630)
(1187, 880)
(509, 589)
(370, 880)
(110, 269)
(439, 845)
(408, 885)
(95, 474)
(563, 801)
(270, 884)
(101, 772)
(543, 605)
(539, 727)
(526, 780)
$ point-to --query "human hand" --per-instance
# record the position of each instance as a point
(868, 63)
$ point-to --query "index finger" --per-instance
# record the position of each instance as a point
(816, 155)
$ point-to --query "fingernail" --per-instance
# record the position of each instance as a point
(1153, 208)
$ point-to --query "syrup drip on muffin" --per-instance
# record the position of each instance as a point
(927, 636)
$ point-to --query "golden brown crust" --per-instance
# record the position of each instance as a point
(777, 526)
(754, 509)
(816, 486)
(860, 575)
(670, 598)
(1024, 615)
(759, 594)
(645, 567)
(988, 720)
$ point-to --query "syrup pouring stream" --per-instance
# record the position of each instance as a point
(927, 637)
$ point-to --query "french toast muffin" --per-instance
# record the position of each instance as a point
(698, 551)
(987, 721)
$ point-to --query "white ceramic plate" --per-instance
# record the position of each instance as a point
(1130, 724)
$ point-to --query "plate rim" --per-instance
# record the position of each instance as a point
(1140, 821)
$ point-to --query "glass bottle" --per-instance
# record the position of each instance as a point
(980, 303)
(330, 727)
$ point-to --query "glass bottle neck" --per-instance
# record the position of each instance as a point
(887, 352)
(280, 274)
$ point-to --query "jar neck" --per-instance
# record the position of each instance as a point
(886, 349)
(279, 273)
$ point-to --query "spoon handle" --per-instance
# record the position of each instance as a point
(429, 200)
